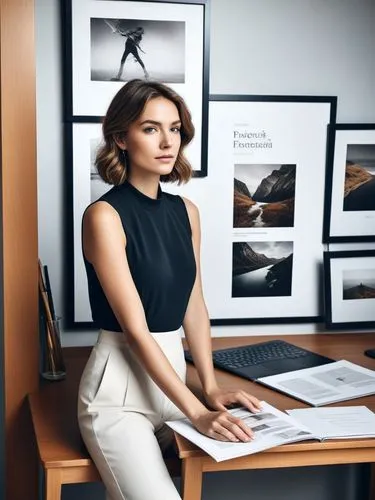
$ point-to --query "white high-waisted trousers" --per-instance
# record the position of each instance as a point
(122, 414)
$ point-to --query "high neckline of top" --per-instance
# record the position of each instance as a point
(143, 197)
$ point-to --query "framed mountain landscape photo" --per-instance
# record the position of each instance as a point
(267, 165)
(349, 278)
(350, 186)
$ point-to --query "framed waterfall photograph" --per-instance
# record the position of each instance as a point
(264, 218)
(350, 186)
(107, 43)
(349, 283)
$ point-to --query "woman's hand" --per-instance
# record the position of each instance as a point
(220, 399)
(223, 426)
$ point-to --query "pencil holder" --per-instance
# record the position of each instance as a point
(52, 361)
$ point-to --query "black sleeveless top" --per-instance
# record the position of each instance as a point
(160, 254)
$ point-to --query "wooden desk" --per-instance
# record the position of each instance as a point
(65, 459)
(336, 346)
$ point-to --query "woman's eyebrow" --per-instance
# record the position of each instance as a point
(154, 122)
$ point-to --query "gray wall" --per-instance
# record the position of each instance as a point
(316, 47)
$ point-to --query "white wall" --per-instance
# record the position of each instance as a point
(312, 47)
(305, 47)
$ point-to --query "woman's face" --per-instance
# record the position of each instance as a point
(153, 141)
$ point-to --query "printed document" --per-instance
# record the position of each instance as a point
(337, 423)
(325, 384)
(271, 428)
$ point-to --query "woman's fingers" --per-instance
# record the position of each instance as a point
(231, 428)
(237, 397)
(250, 402)
(223, 434)
(242, 431)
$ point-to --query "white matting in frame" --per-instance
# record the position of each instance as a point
(350, 289)
(87, 187)
(173, 49)
(253, 140)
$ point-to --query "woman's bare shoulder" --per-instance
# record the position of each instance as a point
(191, 208)
(98, 212)
(193, 214)
(101, 216)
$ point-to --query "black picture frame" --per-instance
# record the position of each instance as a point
(297, 119)
(348, 291)
(89, 25)
(78, 314)
(346, 214)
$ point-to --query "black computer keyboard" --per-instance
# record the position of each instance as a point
(250, 355)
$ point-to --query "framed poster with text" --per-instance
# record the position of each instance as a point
(262, 248)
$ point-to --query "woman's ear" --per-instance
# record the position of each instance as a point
(120, 141)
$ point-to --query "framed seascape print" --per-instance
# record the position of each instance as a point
(109, 42)
(349, 279)
(263, 212)
(350, 192)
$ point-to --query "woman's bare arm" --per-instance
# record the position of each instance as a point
(198, 334)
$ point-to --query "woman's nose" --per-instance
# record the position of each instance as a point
(166, 140)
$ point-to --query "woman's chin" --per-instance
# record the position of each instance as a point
(165, 169)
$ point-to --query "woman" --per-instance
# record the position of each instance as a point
(141, 251)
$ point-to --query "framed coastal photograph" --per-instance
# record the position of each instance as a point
(108, 43)
(350, 187)
(349, 279)
(262, 215)
(85, 187)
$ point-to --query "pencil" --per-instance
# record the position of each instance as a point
(47, 311)
(49, 292)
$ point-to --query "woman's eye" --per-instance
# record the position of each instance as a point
(150, 130)
(176, 130)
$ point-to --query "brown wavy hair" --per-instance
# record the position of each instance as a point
(125, 108)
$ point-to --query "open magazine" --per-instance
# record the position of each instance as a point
(344, 422)
(325, 384)
(271, 428)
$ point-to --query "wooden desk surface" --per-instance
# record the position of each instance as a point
(334, 345)
(54, 413)
(53, 406)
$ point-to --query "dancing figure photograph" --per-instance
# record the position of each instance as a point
(132, 45)
(141, 249)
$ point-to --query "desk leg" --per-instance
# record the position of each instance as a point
(191, 479)
(53, 484)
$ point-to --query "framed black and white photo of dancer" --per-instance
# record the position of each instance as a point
(350, 186)
(108, 43)
(349, 282)
(262, 249)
